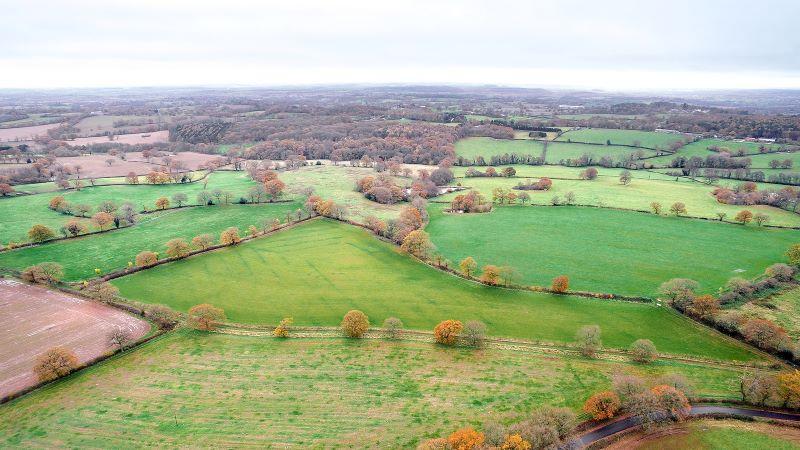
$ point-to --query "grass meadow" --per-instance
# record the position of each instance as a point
(556, 151)
(189, 389)
(645, 188)
(605, 250)
(113, 250)
(318, 271)
(648, 139)
(25, 211)
(715, 434)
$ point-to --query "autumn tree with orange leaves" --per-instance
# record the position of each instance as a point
(447, 332)
(602, 405)
(466, 439)
(205, 317)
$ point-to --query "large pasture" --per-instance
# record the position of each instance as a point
(557, 151)
(605, 250)
(113, 250)
(210, 390)
(318, 271)
(649, 139)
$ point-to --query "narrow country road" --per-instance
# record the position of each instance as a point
(700, 410)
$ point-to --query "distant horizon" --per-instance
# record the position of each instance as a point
(616, 45)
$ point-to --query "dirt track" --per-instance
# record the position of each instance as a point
(34, 319)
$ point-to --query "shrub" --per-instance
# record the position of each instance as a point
(230, 236)
(491, 274)
(560, 284)
(515, 442)
(102, 291)
(202, 241)
(589, 173)
(355, 323)
(177, 248)
(205, 317)
(793, 254)
(643, 351)
(57, 202)
(602, 405)
(282, 330)
(447, 332)
(46, 272)
(146, 258)
(494, 434)
(40, 233)
(55, 363)
(465, 439)
(780, 271)
(474, 333)
(417, 243)
(393, 327)
(163, 315)
(588, 340)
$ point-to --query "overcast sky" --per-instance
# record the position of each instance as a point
(604, 44)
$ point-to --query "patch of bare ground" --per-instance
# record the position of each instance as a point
(34, 319)
(132, 139)
(24, 133)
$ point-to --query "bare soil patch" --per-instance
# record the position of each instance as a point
(24, 133)
(34, 319)
(132, 139)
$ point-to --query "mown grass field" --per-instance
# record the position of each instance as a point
(557, 151)
(20, 213)
(700, 148)
(211, 390)
(645, 188)
(648, 139)
(318, 271)
(113, 250)
(604, 250)
(721, 435)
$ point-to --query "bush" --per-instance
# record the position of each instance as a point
(46, 272)
(230, 236)
(602, 405)
(55, 363)
(780, 271)
(102, 291)
(560, 284)
(465, 439)
(205, 317)
(515, 442)
(177, 248)
(393, 327)
(163, 315)
(282, 330)
(40, 233)
(355, 323)
(146, 258)
(474, 333)
(643, 351)
(588, 340)
(447, 332)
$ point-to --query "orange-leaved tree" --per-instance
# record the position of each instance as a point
(560, 284)
(602, 405)
(55, 363)
(466, 439)
(447, 331)
(205, 317)
(355, 323)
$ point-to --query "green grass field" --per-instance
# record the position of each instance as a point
(700, 148)
(607, 191)
(212, 390)
(648, 139)
(725, 435)
(113, 250)
(557, 151)
(604, 250)
(25, 211)
(320, 270)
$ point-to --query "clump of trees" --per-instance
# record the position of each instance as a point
(381, 189)
(471, 202)
(205, 317)
(55, 363)
(43, 273)
(770, 389)
(543, 184)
